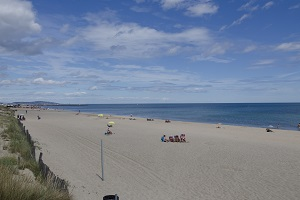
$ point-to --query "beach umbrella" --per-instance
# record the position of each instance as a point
(100, 115)
(111, 123)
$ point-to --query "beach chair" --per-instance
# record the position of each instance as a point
(171, 138)
(176, 138)
(182, 138)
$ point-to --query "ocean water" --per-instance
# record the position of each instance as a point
(284, 115)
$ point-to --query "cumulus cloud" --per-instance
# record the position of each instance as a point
(17, 21)
(42, 81)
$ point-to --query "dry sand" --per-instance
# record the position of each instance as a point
(225, 163)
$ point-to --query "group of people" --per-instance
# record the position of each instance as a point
(175, 138)
(21, 117)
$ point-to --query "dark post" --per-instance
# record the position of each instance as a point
(102, 161)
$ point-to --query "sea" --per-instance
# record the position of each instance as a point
(273, 115)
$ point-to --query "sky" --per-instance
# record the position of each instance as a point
(150, 51)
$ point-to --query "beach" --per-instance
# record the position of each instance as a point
(230, 162)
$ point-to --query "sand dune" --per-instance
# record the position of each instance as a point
(216, 163)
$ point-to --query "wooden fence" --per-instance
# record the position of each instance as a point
(57, 182)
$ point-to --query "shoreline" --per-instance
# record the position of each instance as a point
(261, 117)
(253, 163)
(222, 124)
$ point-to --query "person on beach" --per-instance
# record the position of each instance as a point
(182, 137)
(108, 132)
(164, 139)
(176, 138)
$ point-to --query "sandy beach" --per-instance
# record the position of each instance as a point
(225, 163)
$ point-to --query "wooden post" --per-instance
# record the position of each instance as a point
(102, 163)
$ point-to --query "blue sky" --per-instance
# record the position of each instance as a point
(150, 51)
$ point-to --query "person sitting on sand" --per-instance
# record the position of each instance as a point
(182, 137)
(176, 138)
(164, 139)
(108, 132)
(268, 130)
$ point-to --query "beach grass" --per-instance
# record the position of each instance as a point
(13, 186)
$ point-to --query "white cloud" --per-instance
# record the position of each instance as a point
(140, 9)
(75, 94)
(42, 81)
(17, 23)
(210, 58)
(193, 8)
(249, 6)
(115, 39)
(17, 20)
(265, 62)
(240, 20)
(250, 48)
(64, 28)
(139, 1)
(126, 67)
(44, 93)
(236, 22)
(295, 6)
(291, 46)
(202, 9)
(168, 4)
(93, 88)
(268, 5)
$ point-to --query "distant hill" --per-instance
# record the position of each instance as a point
(39, 103)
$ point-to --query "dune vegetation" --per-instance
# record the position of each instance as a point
(20, 177)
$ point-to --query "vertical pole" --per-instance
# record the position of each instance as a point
(102, 161)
